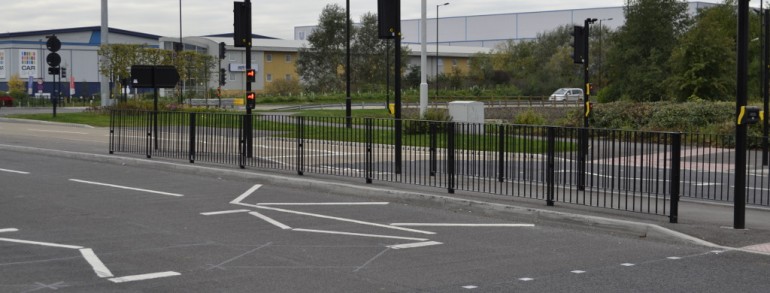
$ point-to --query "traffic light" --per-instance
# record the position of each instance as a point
(250, 100)
(242, 24)
(251, 75)
(222, 50)
(578, 45)
(53, 59)
(589, 88)
(388, 16)
(222, 76)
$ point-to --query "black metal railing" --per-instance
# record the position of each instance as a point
(623, 170)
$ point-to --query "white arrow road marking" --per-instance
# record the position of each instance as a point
(144, 277)
(246, 194)
(413, 245)
(41, 243)
(126, 187)
(270, 220)
(99, 268)
(460, 225)
(344, 220)
(358, 234)
(320, 203)
(14, 171)
(224, 212)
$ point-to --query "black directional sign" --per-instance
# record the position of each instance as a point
(154, 76)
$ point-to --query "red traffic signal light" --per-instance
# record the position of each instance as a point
(251, 75)
(250, 96)
(250, 102)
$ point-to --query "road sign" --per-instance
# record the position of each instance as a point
(151, 76)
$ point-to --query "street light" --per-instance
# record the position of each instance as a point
(437, 57)
(601, 50)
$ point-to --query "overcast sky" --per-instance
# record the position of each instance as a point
(271, 18)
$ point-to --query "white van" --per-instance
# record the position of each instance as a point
(567, 94)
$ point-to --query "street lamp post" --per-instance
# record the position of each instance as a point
(437, 57)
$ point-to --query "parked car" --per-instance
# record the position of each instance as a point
(6, 101)
(567, 94)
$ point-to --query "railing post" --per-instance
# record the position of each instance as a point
(582, 153)
(433, 146)
(551, 165)
(676, 158)
(369, 129)
(112, 131)
(300, 145)
(242, 142)
(501, 153)
(148, 138)
(192, 138)
(450, 156)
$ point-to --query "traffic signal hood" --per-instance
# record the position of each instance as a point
(222, 76)
(578, 44)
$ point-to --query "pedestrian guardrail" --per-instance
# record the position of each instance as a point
(631, 171)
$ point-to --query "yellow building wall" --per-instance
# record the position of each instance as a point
(278, 67)
(450, 63)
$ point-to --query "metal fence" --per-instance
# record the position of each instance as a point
(623, 170)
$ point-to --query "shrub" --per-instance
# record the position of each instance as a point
(529, 117)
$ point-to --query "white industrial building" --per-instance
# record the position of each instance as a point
(493, 29)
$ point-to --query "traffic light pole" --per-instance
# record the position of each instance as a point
(249, 132)
(741, 129)
(583, 135)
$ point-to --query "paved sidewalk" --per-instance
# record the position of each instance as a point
(700, 222)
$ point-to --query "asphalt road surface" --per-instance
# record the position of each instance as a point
(82, 226)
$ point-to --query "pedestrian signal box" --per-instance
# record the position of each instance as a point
(251, 75)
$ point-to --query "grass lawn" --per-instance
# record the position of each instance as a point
(93, 119)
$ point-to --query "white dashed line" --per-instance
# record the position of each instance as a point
(627, 264)
(674, 257)
(9, 230)
(526, 279)
(470, 287)
(14, 171)
(577, 272)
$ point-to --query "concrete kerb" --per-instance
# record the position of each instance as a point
(635, 228)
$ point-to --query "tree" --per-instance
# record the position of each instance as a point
(322, 63)
(703, 66)
(638, 62)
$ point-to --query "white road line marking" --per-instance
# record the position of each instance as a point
(128, 188)
(358, 234)
(251, 190)
(321, 203)
(9, 230)
(224, 212)
(101, 270)
(14, 171)
(41, 243)
(627, 264)
(526, 279)
(577, 272)
(346, 220)
(470, 287)
(270, 220)
(414, 245)
(459, 225)
(144, 277)
(673, 257)
(57, 131)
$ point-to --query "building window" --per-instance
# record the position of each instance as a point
(230, 75)
(454, 62)
(269, 57)
(302, 36)
(288, 77)
(269, 77)
(288, 57)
